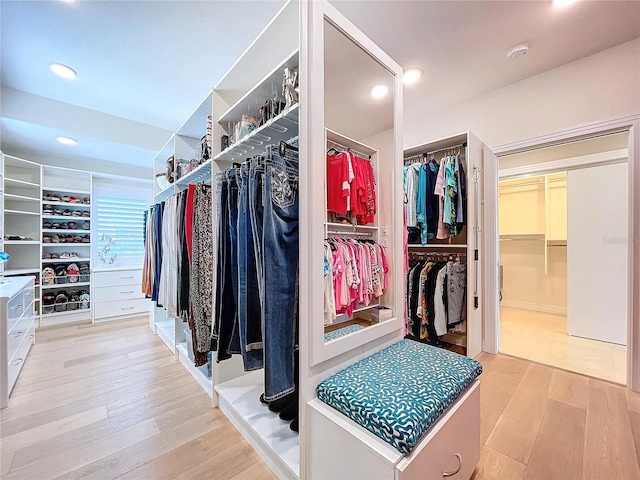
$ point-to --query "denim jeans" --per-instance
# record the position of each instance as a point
(280, 247)
(226, 316)
(249, 307)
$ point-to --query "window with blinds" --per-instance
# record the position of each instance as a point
(118, 226)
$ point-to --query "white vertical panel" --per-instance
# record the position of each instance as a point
(597, 253)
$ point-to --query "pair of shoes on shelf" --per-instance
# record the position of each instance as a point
(286, 407)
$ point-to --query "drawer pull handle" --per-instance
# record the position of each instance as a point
(451, 474)
(128, 291)
(19, 334)
(18, 362)
(126, 308)
(16, 307)
(29, 293)
(126, 278)
(31, 337)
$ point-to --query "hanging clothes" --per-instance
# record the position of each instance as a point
(351, 188)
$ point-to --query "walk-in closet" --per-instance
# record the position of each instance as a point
(319, 239)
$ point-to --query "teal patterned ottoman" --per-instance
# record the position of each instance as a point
(401, 391)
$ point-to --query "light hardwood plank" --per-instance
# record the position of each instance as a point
(559, 448)
(634, 419)
(496, 389)
(58, 465)
(503, 364)
(120, 462)
(53, 429)
(516, 430)
(495, 465)
(609, 448)
(257, 471)
(173, 463)
(569, 388)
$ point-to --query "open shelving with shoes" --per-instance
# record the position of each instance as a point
(65, 191)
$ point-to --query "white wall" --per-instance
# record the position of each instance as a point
(596, 88)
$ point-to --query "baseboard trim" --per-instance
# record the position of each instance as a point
(534, 307)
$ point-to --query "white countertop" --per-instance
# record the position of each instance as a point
(15, 284)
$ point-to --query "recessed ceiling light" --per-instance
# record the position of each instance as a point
(67, 140)
(63, 71)
(563, 3)
(380, 91)
(411, 76)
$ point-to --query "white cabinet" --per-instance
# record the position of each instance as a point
(117, 294)
(18, 322)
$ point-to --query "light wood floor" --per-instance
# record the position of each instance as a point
(542, 337)
(543, 423)
(109, 401)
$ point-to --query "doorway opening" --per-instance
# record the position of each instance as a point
(564, 228)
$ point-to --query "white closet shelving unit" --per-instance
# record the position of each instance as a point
(76, 185)
(182, 145)
(469, 240)
(21, 217)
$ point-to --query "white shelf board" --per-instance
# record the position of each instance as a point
(280, 128)
(438, 245)
(166, 330)
(20, 212)
(60, 244)
(65, 190)
(65, 230)
(21, 242)
(65, 260)
(66, 285)
(351, 227)
(11, 196)
(22, 183)
(196, 125)
(20, 271)
(166, 151)
(273, 440)
(66, 204)
(70, 218)
(204, 381)
(263, 90)
(164, 194)
(345, 141)
(199, 174)
(69, 312)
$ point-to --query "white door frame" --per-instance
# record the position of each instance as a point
(630, 124)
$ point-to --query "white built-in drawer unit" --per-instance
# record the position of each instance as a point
(18, 324)
(449, 449)
(118, 293)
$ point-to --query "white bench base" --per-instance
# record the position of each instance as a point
(339, 448)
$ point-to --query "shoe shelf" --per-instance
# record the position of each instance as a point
(64, 230)
(59, 191)
(73, 218)
(66, 312)
(66, 285)
(21, 242)
(65, 260)
(280, 128)
(67, 204)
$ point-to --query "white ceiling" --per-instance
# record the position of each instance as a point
(150, 63)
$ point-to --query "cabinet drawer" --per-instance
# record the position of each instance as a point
(15, 309)
(19, 357)
(453, 447)
(124, 292)
(120, 277)
(19, 332)
(127, 307)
